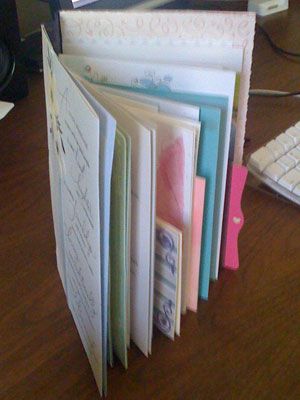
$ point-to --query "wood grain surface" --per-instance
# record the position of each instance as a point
(244, 343)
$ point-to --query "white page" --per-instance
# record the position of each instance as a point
(81, 3)
(5, 108)
(175, 128)
(180, 110)
(168, 78)
(74, 132)
(218, 38)
(188, 51)
(125, 101)
(107, 140)
(142, 211)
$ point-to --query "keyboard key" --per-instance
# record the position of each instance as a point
(274, 171)
(286, 162)
(290, 180)
(296, 190)
(277, 164)
(295, 154)
(276, 148)
(286, 141)
(294, 133)
(261, 158)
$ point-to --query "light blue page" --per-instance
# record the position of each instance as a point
(213, 115)
(107, 142)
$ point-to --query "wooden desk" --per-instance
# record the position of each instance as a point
(244, 343)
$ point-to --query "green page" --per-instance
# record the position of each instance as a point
(118, 249)
(110, 357)
(128, 232)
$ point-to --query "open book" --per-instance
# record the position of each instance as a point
(139, 110)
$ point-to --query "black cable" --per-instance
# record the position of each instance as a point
(274, 46)
(270, 94)
(282, 52)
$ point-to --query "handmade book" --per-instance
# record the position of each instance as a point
(143, 166)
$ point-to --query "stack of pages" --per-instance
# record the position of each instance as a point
(140, 110)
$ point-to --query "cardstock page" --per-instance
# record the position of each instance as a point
(142, 211)
(136, 108)
(167, 277)
(193, 283)
(220, 179)
(118, 253)
(186, 111)
(176, 169)
(169, 78)
(54, 164)
(175, 108)
(107, 141)
(213, 120)
(211, 133)
(168, 36)
(125, 102)
(209, 161)
(128, 233)
(77, 157)
(175, 51)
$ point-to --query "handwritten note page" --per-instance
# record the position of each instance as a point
(142, 211)
(74, 137)
(167, 278)
(107, 142)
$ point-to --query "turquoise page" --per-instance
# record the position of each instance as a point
(213, 114)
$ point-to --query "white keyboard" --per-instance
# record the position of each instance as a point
(277, 164)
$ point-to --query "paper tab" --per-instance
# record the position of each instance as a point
(235, 218)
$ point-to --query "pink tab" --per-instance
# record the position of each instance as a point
(234, 219)
(193, 276)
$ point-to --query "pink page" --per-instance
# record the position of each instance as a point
(193, 278)
(169, 181)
